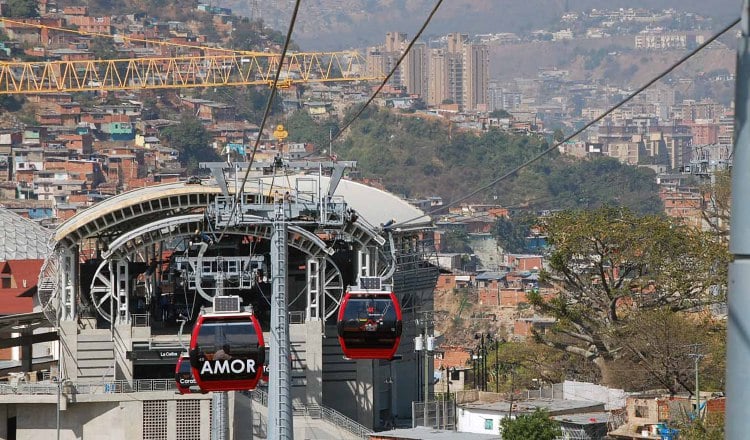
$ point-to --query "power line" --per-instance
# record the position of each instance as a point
(391, 73)
(582, 129)
(267, 111)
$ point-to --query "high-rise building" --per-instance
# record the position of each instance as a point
(415, 70)
(456, 73)
(395, 42)
(467, 67)
(374, 62)
(476, 77)
(437, 83)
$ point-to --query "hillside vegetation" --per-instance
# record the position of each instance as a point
(416, 157)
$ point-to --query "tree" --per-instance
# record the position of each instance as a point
(22, 8)
(609, 264)
(511, 232)
(303, 128)
(455, 241)
(103, 48)
(716, 208)
(710, 428)
(192, 140)
(501, 113)
(657, 345)
(534, 426)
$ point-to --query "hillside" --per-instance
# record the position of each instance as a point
(342, 24)
(417, 157)
(618, 64)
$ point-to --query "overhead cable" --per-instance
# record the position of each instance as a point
(391, 73)
(269, 103)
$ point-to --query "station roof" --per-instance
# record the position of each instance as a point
(374, 206)
(554, 407)
(423, 433)
(21, 238)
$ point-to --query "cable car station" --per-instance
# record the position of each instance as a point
(294, 242)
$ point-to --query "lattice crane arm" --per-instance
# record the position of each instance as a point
(227, 69)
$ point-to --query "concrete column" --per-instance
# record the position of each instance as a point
(3, 422)
(205, 419)
(171, 418)
(68, 350)
(364, 392)
(314, 358)
(123, 342)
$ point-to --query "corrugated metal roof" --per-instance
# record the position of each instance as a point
(22, 239)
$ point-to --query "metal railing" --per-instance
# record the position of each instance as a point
(140, 319)
(316, 411)
(108, 387)
(332, 416)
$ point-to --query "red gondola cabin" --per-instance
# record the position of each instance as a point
(186, 383)
(227, 351)
(369, 324)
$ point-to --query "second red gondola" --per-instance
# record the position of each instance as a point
(186, 383)
(227, 351)
(369, 324)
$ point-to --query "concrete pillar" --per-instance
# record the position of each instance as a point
(4, 422)
(171, 420)
(314, 359)
(364, 392)
(123, 342)
(68, 350)
(205, 419)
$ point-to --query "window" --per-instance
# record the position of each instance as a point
(488, 424)
(641, 411)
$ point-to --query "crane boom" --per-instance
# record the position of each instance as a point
(230, 69)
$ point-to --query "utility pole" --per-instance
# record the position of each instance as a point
(425, 343)
(696, 355)
(512, 366)
(738, 345)
(497, 374)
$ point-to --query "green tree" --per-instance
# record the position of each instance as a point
(710, 428)
(192, 140)
(455, 241)
(303, 128)
(501, 113)
(609, 264)
(511, 232)
(656, 348)
(716, 208)
(534, 426)
(22, 8)
(103, 48)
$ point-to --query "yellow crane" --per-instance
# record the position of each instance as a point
(212, 68)
(228, 69)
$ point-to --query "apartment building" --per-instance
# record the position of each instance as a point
(457, 73)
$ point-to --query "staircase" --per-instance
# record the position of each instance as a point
(95, 355)
(315, 421)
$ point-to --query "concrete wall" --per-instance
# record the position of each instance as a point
(476, 421)
(105, 416)
(613, 398)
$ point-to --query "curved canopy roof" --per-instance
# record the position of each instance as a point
(132, 209)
